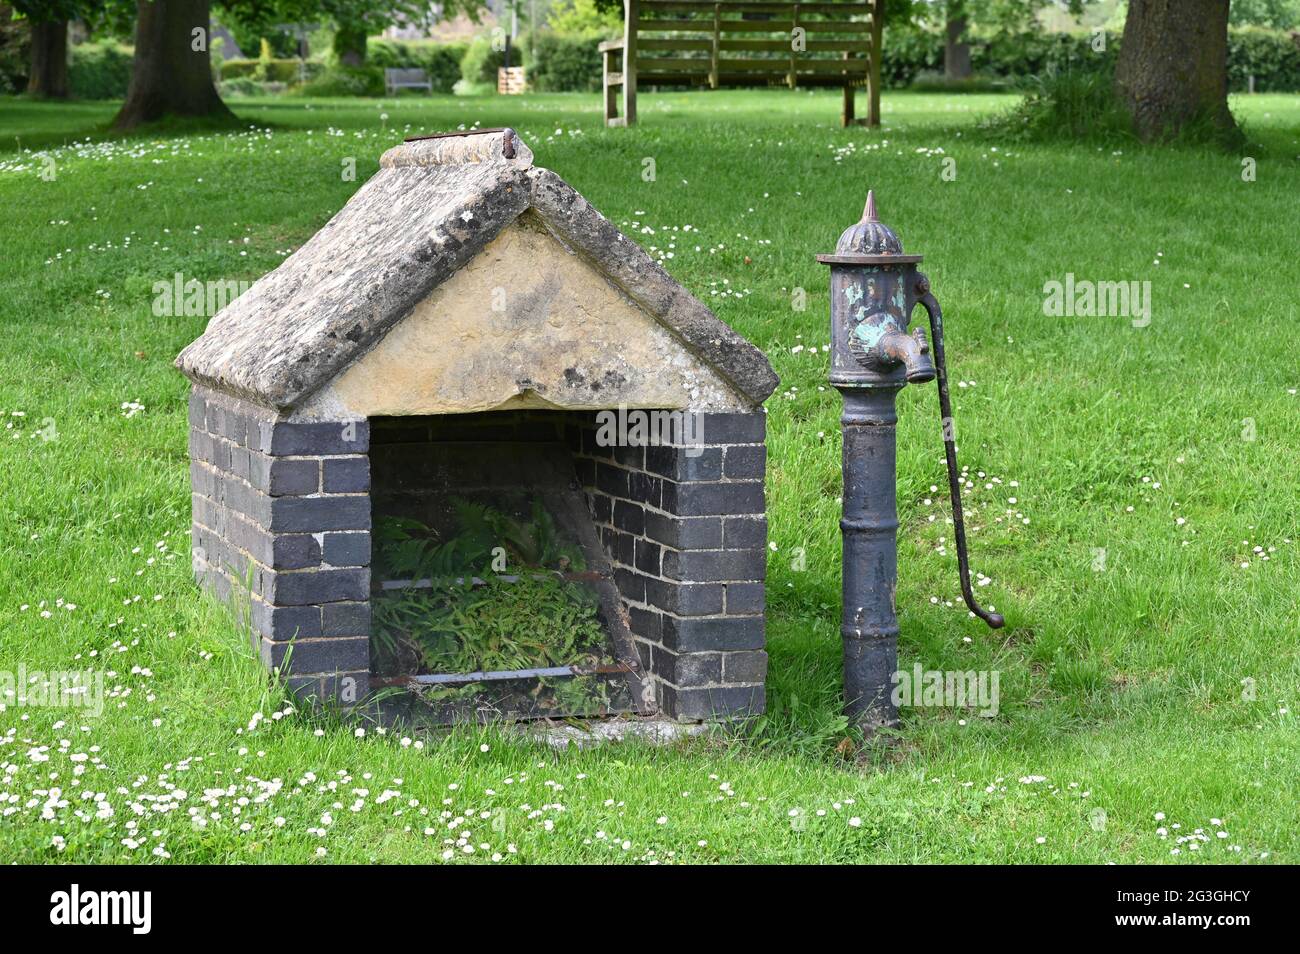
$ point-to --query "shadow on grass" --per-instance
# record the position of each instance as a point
(27, 123)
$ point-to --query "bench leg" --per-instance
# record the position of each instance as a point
(630, 14)
(846, 116)
(612, 64)
(611, 105)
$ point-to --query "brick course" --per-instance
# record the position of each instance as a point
(281, 523)
(685, 530)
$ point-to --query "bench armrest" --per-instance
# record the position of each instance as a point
(608, 45)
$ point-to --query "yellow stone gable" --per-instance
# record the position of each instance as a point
(527, 323)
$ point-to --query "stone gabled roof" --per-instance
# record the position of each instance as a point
(434, 204)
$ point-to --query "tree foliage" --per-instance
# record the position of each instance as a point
(1274, 14)
(997, 15)
(585, 18)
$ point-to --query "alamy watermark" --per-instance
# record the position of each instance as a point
(948, 688)
(1103, 299)
(67, 689)
(191, 298)
(133, 909)
(634, 427)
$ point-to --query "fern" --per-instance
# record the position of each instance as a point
(531, 544)
(407, 549)
(457, 626)
(528, 623)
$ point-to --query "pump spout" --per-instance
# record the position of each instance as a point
(912, 351)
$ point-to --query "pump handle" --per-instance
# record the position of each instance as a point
(931, 305)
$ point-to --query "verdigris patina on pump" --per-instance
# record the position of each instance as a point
(874, 288)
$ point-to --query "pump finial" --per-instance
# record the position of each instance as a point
(869, 236)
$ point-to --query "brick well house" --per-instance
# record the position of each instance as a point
(469, 321)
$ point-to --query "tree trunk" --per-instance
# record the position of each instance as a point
(169, 76)
(49, 74)
(1173, 65)
(350, 45)
(956, 54)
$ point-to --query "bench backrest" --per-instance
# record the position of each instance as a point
(397, 77)
(752, 42)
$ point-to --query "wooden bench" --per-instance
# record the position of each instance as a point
(395, 79)
(745, 43)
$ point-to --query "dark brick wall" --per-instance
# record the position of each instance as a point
(282, 515)
(686, 531)
(281, 525)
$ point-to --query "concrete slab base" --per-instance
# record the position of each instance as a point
(654, 731)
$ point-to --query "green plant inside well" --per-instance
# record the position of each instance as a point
(490, 596)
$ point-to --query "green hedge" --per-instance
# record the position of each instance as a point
(1271, 56)
(277, 71)
(569, 63)
(1021, 55)
(99, 71)
(240, 86)
(440, 60)
(345, 81)
(911, 53)
(480, 62)
(565, 64)
(908, 52)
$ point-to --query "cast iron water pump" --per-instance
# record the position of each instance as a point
(874, 288)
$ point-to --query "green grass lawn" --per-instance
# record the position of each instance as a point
(1135, 489)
